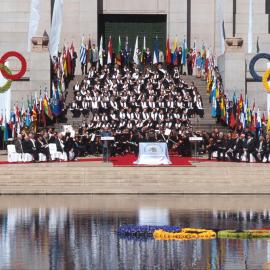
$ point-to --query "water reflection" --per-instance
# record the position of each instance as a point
(66, 238)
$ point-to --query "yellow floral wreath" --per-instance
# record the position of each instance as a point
(184, 234)
(265, 80)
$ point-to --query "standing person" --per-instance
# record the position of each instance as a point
(190, 64)
(94, 55)
(148, 57)
(179, 60)
(105, 144)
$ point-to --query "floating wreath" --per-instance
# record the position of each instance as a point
(184, 234)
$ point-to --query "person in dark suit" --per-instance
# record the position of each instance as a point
(250, 147)
(42, 147)
(18, 144)
(239, 147)
(29, 147)
(221, 146)
(68, 145)
(59, 143)
(262, 149)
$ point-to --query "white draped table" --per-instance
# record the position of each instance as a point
(153, 154)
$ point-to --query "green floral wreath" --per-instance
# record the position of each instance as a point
(7, 85)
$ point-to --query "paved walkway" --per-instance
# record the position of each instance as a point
(100, 178)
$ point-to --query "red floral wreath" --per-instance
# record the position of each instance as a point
(13, 77)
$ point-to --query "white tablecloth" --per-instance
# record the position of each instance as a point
(153, 154)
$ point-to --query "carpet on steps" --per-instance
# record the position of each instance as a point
(128, 161)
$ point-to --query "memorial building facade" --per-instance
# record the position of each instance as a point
(198, 22)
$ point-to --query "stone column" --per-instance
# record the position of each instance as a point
(39, 65)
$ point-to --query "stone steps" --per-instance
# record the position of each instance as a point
(97, 177)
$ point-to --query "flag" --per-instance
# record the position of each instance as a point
(213, 103)
(241, 102)
(56, 103)
(259, 120)
(28, 118)
(184, 52)
(168, 53)
(223, 109)
(65, 65)
(33, 21)
(34, 113)
(56, 27)
(83, 53)
(175, 59)
(232, 120)
(69, 63)
(156, 54)
(143, 50)
(253, 124)
(135, 54)
(118, 59)
(6, 129)
(46, 107)
(100, 53)
(110, 51)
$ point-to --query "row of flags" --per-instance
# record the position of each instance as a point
(139, 54)
(38, 112)
(237, 113)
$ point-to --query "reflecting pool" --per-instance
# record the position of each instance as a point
(80, 232)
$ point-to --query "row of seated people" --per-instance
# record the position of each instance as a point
(43, 147)
(242, 146)
(133, 94)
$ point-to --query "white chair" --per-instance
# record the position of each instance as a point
(214, 154)
(251, 157)
(55, 154)
(53, 151)
(13, 156)
(26, 157)
(42, 157)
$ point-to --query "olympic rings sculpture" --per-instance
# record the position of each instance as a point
(6, 72)
(265, 80)
(252, 63)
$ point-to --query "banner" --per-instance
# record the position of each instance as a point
(57, 21)
(33, 22)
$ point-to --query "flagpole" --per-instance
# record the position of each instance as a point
(250, 26)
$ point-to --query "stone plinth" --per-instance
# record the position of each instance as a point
(232, 67)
